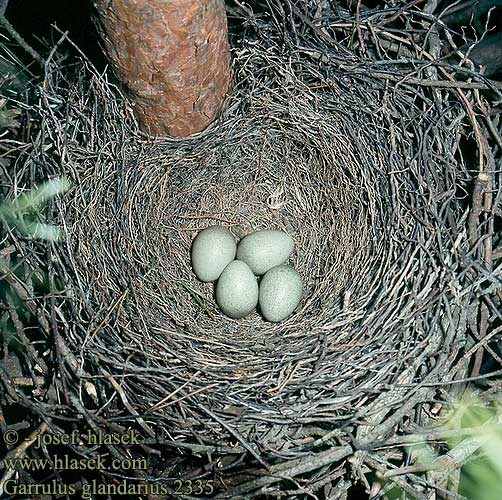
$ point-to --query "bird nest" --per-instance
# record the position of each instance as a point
(367, 176)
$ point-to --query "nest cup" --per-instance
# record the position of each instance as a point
(296, 166)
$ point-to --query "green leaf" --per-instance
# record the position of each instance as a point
(24, 210)
(36, 198)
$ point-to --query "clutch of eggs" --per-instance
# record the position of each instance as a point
(262, 253)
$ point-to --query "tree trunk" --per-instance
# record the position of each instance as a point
(172, 57)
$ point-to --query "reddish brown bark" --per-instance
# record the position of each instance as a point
(173, 58)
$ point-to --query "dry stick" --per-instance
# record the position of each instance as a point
(467, 356)
(237, 436)
(291, 469)
(104, 321)
(482, 201)
(449, 464)
(55, 332)
(378, 43)
(19, 39)
(483, 326)
(19, 452)
(467, 105)
(453, 459)
(475, 126)
(159, 404)
(454, 84)
(381, 404)
(463, 54)
(491, 127)
(358, 28)
(128, 405)
(16, 320)
(488, 198)
(434, 44)
(481, 187)
(190, 394)
(467, 12)
(20, 289)
(195, 448)
(470, 112)
(404, 485)
(92, 421)
(441, 434)
(402, 10)
(482, 183)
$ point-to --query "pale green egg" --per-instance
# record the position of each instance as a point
(281, 290)
(212, 250)
(264, 250)
(237, 290)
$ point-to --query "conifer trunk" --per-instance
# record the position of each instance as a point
(172, 57)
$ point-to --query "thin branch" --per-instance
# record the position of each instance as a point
(20, 40)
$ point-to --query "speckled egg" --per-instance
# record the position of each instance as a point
(264, 250)
(281, 290)
(237, 290)
(212, 250)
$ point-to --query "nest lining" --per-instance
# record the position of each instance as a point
(295, 167)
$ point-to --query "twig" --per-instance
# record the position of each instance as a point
(483, 326)
(54, 329)
(290, 469)
(400, 12)
(358, 27)
(19, 39)
(453, 459)
(128, 405)
(382, 471)
(441, 434)
(3, 6)
(21, 451)
(104, 321)
(237, 436)
(481, 185)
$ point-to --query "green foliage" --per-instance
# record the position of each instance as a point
(478, 452)
(9, 118)
(24, 212)
(482, 472)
